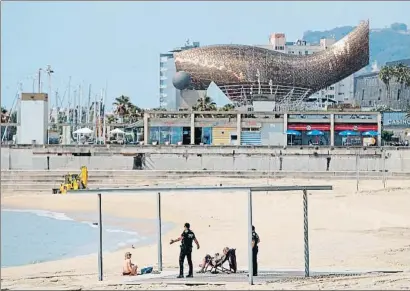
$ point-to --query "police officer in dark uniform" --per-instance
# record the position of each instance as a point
(255, 249)
(186, 239)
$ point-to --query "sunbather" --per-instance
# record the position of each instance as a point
(216, 260)
(129, 269)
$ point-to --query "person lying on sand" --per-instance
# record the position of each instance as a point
(129, 269)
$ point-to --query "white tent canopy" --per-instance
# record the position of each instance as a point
(117, 130)
(84, 130)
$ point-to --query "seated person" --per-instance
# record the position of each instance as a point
(216, 260)
(129, 269)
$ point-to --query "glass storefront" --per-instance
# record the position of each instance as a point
(305, 138)
(353, 140)
(165, 134)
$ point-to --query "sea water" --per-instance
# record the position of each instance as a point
(34, 236)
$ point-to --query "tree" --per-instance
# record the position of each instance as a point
(387, 135)
(6, 117)
(227, 107)
(205, 104)
(122, 105)
(386, 74)
(127, 111)
(401, 73)
(135, 113)
(111, 119)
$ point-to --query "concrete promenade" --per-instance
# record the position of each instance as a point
(215, 158)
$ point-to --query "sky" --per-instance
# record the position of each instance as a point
(116, 45)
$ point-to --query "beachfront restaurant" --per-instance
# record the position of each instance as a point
(311, 129)
(263, 128)
(356, 129)
(338, 129)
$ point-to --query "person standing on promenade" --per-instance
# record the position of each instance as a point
(255, 249)
(186, 238)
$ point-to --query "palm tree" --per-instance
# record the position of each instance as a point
(111, 119)
(134, 113)
(408, 112)
(386, 74)
(122, 106)
(227, 107)
(4, 115)
(7, 117)
(205, 104)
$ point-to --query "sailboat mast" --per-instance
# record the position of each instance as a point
(95, 118)
(80, 99)
(105, 99)
(89, 104)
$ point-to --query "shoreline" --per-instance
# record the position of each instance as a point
(113, 225)
(365, 230)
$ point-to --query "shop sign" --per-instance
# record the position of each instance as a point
(396, 119)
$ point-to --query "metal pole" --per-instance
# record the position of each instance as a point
(100, 256)
(306, 231)
(357, 171)
(384, 169)
(9, 158)
(159, 232)
(250, 257)
(269, 169)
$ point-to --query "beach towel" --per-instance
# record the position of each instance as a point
(146, 270)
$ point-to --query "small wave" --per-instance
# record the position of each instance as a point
(91, 224)
(123, 231)
(128, 242)
(43, 213)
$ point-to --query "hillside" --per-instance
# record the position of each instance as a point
(386, 44)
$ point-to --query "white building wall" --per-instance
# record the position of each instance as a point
(34, 122)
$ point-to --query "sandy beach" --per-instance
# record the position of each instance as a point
(367, 230)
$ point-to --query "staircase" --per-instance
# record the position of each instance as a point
(44, 181)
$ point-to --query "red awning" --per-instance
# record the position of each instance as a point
(308, 127)
(358, 127)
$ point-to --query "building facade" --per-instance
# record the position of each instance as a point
(168, 94)
(371, 92)
(261, 128)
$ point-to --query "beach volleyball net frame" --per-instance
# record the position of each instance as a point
(224, 189)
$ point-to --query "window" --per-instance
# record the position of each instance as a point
(331, 87)
(363, 94)
(370, 102)
(398, 94)
(380, 94)
(306, 52)
(300, 53)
